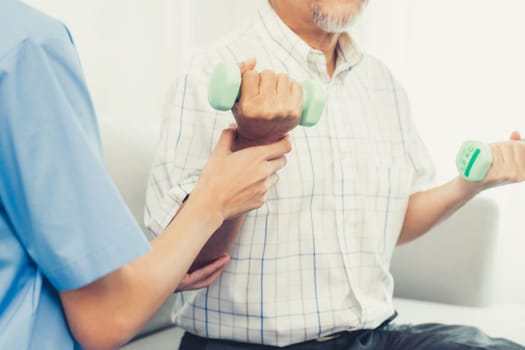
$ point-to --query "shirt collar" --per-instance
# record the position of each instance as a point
(291, 46)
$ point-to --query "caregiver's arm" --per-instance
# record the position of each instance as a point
(108, 312)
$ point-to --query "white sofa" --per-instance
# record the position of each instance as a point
(445, 277)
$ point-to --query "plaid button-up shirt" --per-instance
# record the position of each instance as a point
(315, 258)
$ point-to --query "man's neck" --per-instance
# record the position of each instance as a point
(303, 25)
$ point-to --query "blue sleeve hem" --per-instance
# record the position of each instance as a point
(90, 267)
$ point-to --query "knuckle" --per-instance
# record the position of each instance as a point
(257, 108)
(250, 73)
(296, 112)
(282, 77)
(281, 111)
(513, 176)
(249, 108)
(268, 72)
(288, 111)
(266, 114)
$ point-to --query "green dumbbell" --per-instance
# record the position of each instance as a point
(225, 87)
(473, 160)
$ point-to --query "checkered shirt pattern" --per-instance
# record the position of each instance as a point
(315, 258)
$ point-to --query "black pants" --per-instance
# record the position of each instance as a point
(430, 336)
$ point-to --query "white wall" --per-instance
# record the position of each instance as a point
(461, 61)
(130, 49)
(463, 65)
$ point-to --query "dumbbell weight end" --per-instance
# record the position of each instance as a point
(313, 102)
(474, 160)
(224, 86)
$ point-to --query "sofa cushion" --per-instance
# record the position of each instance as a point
(454, 262)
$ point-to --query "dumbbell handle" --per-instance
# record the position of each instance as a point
(225, 84)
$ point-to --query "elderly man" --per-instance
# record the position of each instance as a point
(310, 269)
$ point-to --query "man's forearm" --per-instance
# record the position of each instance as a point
(428, 208)
(221, 239)
(219, 242)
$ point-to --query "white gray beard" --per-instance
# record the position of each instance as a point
(331, 24)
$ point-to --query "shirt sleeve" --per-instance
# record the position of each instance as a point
(58, 194)
(423, 170)
(189, 130)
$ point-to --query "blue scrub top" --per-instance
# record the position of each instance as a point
(63, 223)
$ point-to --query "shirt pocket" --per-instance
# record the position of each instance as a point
(375, 204)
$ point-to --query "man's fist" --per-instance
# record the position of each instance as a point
(270, 105)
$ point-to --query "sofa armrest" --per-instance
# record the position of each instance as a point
(453, 263)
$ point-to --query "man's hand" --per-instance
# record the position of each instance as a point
(269, 107)
(508, 164)
(427, 208)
